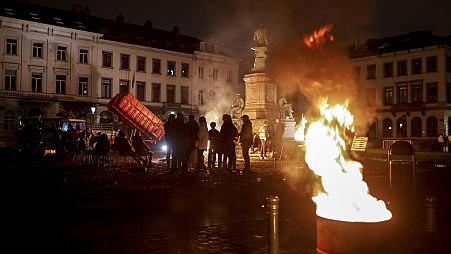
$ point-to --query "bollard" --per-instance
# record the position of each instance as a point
(431, 220)
(273, 205)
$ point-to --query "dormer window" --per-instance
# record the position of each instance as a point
(34, 16)
(9, 11)
(58, 21)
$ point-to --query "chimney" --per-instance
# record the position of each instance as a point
(357, 42)
(148, 25)
(120, 19)
(176, 30)
(202, 46)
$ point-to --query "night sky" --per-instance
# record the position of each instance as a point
(231, 22)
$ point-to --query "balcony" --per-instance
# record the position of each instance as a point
(408, 107)
(45, 96)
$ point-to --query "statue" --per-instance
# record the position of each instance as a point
(286, 107)
(237, 107)
(261, 43)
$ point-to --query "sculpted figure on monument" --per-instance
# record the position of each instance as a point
(287, 111)
(237, 107)
(260, 37)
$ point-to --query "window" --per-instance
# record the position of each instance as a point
(432, 92)
(9, 120)
(105, 90)
(358, 71)
(201, 72)
(36, 82)
(83, 56)
(156, 92)
(416, 127)
(61, 53)
(417, 92)
(184, 94)
(371, 71)
(401, 126)
(11, 46)
(402, 68)
(416, 66)
(171, 68)
(402, 94)
(156, 66)
(388, 127)
(83, 86)
(170, 93)
(200, 97)
(431, 126)
(141, 63)
(124, 87)
(125, 62)
(388, 96)
(141, 91)
(448, 94)
(431, 64)
(38, 49)
(229, 76)
(388, 70)
(371, 96)
(215, 74)
(448, 63)
(60, 84)
(107, 59)
(185, 70)
(10, 80)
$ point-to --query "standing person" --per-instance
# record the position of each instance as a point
(279, 129)
(213, 136)
(246, 140)
(263, 134)
(228, 135)
(202, 142)
(170, 141)
(180, 146)
(193, 136)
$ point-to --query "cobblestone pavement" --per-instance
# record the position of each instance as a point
(64, 209)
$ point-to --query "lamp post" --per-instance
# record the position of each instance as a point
(93, 111)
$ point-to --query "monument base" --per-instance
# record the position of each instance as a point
(290, 129)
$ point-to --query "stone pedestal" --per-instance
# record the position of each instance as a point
(261, 97)
(289, 128)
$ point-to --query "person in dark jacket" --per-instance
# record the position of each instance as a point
(213, 136)
(246, 140)
(228, 135)
(279, 129)
(142, 149)
(180, 145)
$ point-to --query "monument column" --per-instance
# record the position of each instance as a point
(261, 89)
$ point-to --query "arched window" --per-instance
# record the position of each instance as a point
(432, 126)
(401, 127)
(416, 126)
(106, 117)
(9, 122)
(388, 127)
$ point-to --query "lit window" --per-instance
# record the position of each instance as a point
(83, 86)
(185, 70)
(171, 68)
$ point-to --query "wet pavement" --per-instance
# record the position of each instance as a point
(128, 210)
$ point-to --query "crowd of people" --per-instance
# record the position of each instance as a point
(188, 141)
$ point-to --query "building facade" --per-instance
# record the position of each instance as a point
(63, 63)
(408, 77)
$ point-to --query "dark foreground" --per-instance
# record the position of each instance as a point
(53, 207)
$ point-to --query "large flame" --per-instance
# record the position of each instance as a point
(319, 37)
(345, 195)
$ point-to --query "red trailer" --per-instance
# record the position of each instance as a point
(131, 111)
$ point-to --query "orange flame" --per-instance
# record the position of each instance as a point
(345, 195)
(319, 37)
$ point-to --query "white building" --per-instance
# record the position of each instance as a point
(62, 63)
(410, 77)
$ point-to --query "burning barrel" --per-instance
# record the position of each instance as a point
(333, 236)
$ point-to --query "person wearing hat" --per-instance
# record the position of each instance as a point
(246, 140)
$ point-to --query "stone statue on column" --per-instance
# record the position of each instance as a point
(237, 107)
(285, 107)
(260, 48)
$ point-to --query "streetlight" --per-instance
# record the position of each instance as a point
(93, 111)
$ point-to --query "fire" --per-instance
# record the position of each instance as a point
(345, 196)
(299, 135)
(319, 37)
